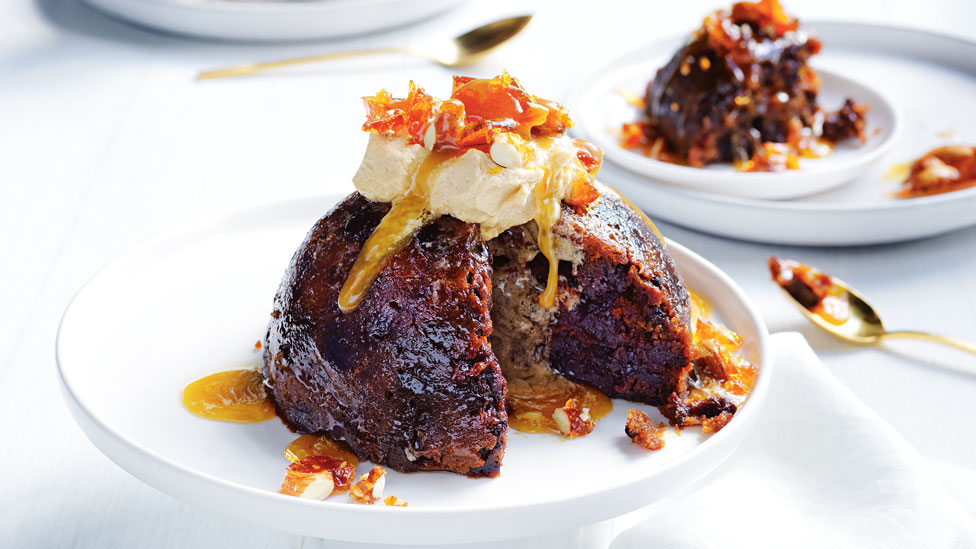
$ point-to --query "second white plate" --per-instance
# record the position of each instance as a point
(272, 20)
(600, 109)
(931, 78)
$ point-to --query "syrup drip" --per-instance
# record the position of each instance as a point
(320, 445)
(547, 213)
(407, 215)
(236, 395)
(531, 402)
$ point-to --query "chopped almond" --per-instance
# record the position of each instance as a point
(308, 480)
(370, 486)
(573, 420)
(311, 485)
(317, 477)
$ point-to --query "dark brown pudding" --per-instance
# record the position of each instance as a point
(408, 378)
(741, 91)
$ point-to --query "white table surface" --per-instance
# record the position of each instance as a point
(106, 139)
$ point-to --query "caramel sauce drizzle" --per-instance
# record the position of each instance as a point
(237, 396)
(547, 214)
(407, 215)
(531, 402)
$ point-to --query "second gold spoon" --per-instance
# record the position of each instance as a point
(837, 308)
(459, 51)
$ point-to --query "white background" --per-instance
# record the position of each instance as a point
(107, 139)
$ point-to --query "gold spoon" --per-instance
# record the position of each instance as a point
(459, 51)
(862, 323)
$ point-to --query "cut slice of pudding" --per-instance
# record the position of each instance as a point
(621, 318)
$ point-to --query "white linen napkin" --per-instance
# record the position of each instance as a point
(819, 470)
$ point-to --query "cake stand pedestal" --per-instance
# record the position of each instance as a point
(591, 536)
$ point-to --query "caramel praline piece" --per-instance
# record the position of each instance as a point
(644, 432)
(317, 477)
(370, 486)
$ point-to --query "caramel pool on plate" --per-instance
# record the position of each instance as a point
(531, 402)
(235, 395)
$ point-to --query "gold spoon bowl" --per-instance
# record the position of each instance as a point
(456, 52)
(862, 324)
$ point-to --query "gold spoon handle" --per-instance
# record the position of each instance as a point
(934, 338)
(252, 68)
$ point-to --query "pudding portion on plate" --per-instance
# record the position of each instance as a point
(741, 91)
(479, 279)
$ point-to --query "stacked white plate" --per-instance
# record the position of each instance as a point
(272, 20)
(921, 88)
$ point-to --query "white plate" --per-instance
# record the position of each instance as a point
(272, 20)
(599, 109)
(931, 78)
(195, 300)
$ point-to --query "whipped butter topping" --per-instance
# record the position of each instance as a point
(471, 187)
(492, 154)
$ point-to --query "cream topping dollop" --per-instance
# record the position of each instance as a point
(495, 189)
